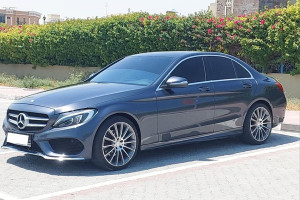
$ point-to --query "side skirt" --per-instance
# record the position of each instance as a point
(201, 138)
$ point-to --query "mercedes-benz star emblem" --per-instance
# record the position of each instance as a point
(22, 121)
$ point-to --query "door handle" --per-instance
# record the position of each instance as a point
(204, 89)
(247, 85)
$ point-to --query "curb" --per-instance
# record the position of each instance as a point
(290, 127)
(10, 97)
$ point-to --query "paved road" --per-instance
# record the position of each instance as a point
(222, 169)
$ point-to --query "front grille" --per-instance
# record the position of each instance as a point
(34, 121)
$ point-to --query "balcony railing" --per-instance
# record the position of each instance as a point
(33, 13)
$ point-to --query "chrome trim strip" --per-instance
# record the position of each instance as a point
(158, 88)
(35, 125)
(234, 79)
(13, 115)
(13, 122)
(28, 125)
(29, 117)
(37, 118)
(61, 158)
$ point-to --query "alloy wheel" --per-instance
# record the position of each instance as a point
(260, 124)
(119, 144)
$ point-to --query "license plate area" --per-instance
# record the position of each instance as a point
(18, 139)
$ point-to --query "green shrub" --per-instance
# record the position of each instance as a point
(262, 39)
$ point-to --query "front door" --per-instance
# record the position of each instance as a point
(186, 112)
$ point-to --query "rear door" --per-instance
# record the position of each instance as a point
(233, 86)
(186, 112)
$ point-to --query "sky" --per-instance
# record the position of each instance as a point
(93, 8)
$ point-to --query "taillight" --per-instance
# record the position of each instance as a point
(279, 86)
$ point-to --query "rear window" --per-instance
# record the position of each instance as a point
(241, 72)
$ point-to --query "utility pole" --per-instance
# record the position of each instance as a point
(106, 5)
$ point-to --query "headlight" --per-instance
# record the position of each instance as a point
(74, 118)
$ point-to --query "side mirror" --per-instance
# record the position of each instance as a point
(175, 82)
(92, 75)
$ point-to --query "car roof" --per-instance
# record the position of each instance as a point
(178, 54)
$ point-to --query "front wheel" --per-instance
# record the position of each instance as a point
(116, 144)
(257, 125)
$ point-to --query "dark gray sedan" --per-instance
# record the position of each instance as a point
(146, 101)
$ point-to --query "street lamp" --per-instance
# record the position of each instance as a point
(44, 18)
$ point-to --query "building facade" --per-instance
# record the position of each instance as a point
(11, 16)
(52, 18)
(239, 7)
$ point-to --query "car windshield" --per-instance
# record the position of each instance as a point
(139, 70)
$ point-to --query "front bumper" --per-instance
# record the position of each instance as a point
(61, 158)
(69, 143)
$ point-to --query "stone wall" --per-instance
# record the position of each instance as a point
(245, 7)
(55, 72)
(271, 3)
(290, 84)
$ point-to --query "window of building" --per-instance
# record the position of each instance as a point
(241, 72)
(191, 69)
(229, 3)
(228, 7)
(220, 68)
(18, 21)
(8, 17)
(24, 21)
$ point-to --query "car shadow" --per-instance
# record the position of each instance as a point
(200, 151)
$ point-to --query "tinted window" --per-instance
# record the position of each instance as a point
(191, 69)
(141, 70)
(241, 72)
(220, 67)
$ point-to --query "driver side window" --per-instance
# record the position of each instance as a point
(192, 69)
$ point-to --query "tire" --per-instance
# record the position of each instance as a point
(112, 150)
(257, 125)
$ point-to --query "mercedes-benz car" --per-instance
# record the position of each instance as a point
(146, 101)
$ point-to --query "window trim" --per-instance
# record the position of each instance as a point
(210, 81)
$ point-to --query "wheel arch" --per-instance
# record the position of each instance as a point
(129, 116)
(264, 101)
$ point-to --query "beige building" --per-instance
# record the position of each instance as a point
(11, 16)
(52, 18)
(239, 7)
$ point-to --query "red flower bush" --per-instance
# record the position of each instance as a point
(262, 38)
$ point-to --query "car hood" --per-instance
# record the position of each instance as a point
(80, 96)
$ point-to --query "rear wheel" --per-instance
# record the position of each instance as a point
(115, 144)
(257, 125)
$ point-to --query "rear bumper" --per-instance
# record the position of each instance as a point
(279, 113)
